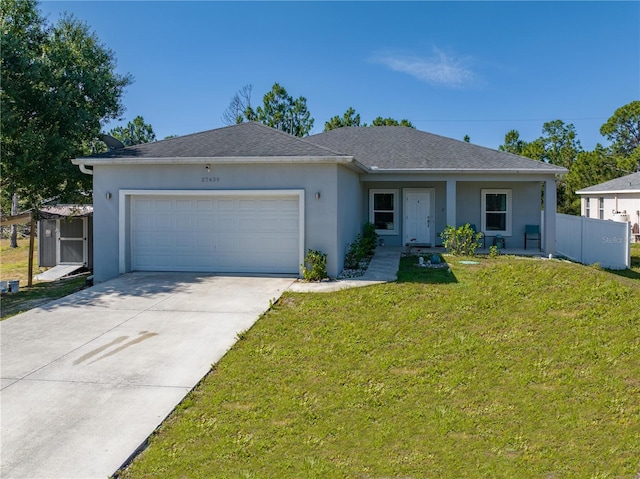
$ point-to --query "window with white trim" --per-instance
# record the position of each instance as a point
(383, 211)
(587, 207)
(496, 212)
(601, 208)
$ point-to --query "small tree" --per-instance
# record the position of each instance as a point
(240, 103)
(135, 133)
(350, 118)
(462, 241)
(315, 266)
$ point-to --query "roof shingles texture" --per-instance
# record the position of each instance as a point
(243, 140)
(383, 147)
(625, 183)
(397, 147)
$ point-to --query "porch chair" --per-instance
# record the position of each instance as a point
(532, 232)
(475, 230)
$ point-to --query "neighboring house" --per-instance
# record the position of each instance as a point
(65, 234)
(249, 198)
(617, 199)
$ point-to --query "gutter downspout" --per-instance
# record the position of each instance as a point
(85, 170)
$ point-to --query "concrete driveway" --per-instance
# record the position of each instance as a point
(87, 378)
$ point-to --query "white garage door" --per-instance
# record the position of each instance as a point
(230, 234)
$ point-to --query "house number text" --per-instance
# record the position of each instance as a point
(210, 179)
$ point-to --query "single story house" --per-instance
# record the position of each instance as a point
(249, 198)
(617, 199)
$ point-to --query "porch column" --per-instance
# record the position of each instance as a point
(550, 216)
(451, 203)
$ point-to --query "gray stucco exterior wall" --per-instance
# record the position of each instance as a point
(349, 212)
(526, 203)
(526, 206)
(438, 207)
(321, 220)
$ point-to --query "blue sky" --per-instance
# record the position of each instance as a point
(451, 68)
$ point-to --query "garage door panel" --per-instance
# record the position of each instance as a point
(162, 241)
(142, 206)
(218, 234)
(225, 205)
(183, 205)
(247, 205)
(269, 205)
(223, 224)
(162, 221)
(163, 205)
(204, 224)
(247, 224)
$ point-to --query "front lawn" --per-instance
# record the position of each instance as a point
(635, 257)
(507, 368)
(14, 265)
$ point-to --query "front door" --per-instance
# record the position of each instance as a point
(418, 216)
(72, 241)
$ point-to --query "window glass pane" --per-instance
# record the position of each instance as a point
(71, 228)
(496, 202)
(496, 222)
(383, 201)
(383, 221)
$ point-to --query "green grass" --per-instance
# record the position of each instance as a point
(508, 368)
(14, 265)
(14, 262)
(40, 293)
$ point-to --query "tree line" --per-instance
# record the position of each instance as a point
(59, 88)
(558, 145)
(281, 111)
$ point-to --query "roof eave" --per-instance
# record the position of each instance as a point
(473, 171)
(220, 160)
(605, 192)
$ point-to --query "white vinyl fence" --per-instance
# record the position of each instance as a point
(589, 241)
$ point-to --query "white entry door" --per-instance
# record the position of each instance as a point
(418, 216)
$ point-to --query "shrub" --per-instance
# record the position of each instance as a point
(315, 266)
(363, 246)
(494, 251)
(462, 240)
(369, 238)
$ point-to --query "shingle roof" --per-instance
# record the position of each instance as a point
(243, 140)
(629, 183)
(402, 148)
(381, 148)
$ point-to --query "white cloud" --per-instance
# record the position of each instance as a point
(440, 69)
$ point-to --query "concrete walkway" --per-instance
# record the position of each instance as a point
(87, 378)
(382, 269)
